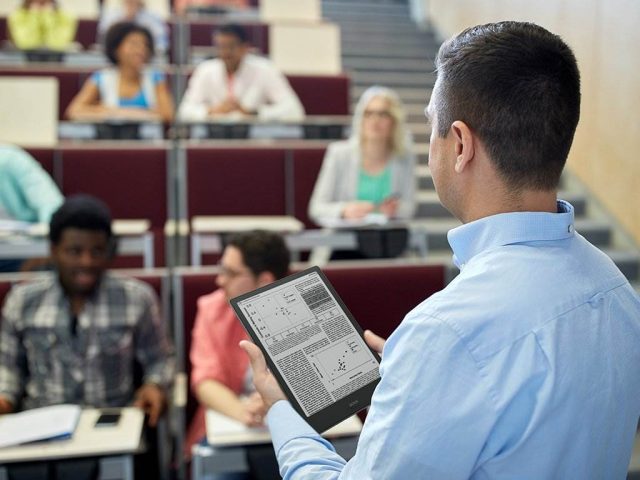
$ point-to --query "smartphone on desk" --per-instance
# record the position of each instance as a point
(108, 418)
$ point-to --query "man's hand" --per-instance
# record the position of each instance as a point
(5, 406)
(152, 400)
(255, 410)
(265, 382)
(227, 106)
(375, 342)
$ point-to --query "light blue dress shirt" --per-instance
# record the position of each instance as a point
(525, 366)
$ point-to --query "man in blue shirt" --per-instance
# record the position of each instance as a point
(525, 365)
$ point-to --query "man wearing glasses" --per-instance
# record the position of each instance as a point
(220, 375)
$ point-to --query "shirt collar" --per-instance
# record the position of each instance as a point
(508, 228)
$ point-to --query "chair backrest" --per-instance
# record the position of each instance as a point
(322, 94)
(235, 181)
(131, 179)
(306, 166)
(29, 110)
(45, 157)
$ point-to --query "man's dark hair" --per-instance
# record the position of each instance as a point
(118, 32)
(262, 252)
(233, 29)
(83, 212)
(518, 87)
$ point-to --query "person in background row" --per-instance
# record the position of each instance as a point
(41, 24)
(212, 6)
(27, 193)
(79, 335)
(238, 83)
(134, 11)
(526, 365)
(372, 171)
(130, 88)
(220, 369)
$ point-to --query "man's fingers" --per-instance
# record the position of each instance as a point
(256, 358)
(376, 342)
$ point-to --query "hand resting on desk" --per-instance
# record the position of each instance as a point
(5, 406)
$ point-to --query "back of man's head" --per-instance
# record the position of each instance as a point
(517, 86)
(262, 251)
(82, 212)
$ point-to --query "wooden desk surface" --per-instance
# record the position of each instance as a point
(87, 440)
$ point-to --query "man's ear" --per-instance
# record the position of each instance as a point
(464, 145)
(265, 278)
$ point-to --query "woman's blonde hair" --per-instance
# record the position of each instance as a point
(400, 138)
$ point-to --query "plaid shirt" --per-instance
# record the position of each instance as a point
(43, 363)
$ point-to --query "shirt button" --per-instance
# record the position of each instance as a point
(570, 228)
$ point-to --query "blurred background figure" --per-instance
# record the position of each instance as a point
(130, 89)
(238, 82)
(209, 6)
(373, 170)
(27, 193)
(42, 25)
(134, 11)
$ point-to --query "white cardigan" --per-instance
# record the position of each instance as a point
(337, 182)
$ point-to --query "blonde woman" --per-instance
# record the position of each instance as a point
(372, 171)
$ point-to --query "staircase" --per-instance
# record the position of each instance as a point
(381, 45)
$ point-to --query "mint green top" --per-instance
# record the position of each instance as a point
(374, 188)
(27, 192)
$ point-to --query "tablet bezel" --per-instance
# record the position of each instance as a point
(338, 411)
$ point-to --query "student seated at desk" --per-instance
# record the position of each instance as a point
(42, 24)
(130, 89)
(238, 83)
(220, 369)
(370, 173)
(76, 335)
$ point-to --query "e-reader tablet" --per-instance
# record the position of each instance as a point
(312, 345)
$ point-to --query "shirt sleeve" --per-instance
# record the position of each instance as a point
(36, 186)
(154, 350)
(206, 363)
(323, 202)
(432, 401)
(13, 365)
(195, 104)
(60, 29)
(283, 104)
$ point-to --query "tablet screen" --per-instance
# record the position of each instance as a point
(313, 346)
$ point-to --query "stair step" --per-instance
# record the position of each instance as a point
(409, 95)
(418, 52)
(429, 206)
(374, 8)
(385, 64)
(392, 79)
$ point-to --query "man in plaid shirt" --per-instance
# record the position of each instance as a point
(77, 335)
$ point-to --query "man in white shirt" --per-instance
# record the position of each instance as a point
(238, 82)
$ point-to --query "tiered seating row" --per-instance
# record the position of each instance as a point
(320, 95)
(160, 183)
